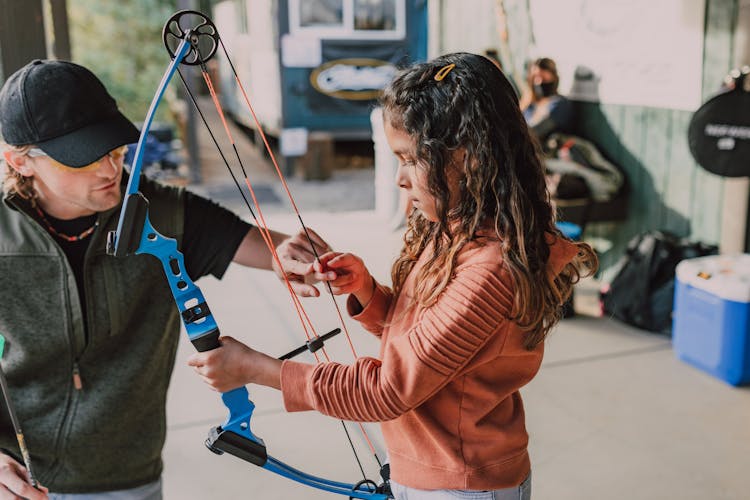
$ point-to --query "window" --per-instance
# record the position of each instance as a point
(375, 15)
(354, 19)
(321, 13)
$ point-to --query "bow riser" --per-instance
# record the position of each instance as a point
(136, 235)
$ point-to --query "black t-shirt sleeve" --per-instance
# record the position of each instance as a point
(211, 236)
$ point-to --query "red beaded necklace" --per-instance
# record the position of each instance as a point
(78, 237)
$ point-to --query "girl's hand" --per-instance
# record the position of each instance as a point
(234, 364)
(14, 483)
(346, 273)
(296, 259)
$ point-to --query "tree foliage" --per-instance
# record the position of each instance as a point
(121, 42)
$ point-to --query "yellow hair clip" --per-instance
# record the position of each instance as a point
(444, 72)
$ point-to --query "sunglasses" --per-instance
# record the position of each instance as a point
(116, 156)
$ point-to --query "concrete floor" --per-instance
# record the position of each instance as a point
(612, 414)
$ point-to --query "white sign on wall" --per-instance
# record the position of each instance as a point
(637, 52)
(301, 51)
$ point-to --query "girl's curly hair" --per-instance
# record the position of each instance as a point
(474, 107)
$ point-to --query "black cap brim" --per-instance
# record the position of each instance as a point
(90, 143)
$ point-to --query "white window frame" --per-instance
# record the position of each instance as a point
(346, 30)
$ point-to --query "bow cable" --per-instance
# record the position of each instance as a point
(265, 231)
(272, 157)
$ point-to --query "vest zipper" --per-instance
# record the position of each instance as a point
(77, 381)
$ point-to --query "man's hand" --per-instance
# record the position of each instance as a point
(14, 483)
(297, 258)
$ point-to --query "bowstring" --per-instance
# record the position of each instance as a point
(261, 224)
(307, 324)
(272, 157)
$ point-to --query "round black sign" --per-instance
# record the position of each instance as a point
(719, 132)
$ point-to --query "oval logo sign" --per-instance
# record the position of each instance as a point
(355, 79)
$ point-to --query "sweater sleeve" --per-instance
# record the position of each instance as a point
(373, 315)
(436, 347)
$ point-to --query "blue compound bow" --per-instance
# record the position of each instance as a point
(135, 234)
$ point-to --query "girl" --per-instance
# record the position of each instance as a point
(476, 289)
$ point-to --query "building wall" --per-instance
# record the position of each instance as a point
(668, 190)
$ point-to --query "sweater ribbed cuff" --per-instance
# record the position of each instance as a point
(296, 385)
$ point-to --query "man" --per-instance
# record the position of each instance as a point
(91, 338)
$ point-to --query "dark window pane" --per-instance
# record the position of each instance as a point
(375, 15)
(320, 13)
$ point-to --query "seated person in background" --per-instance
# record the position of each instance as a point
(545, 110)
(494, 56)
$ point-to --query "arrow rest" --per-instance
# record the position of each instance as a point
(200, 32)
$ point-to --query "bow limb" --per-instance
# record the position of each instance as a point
(136, 235)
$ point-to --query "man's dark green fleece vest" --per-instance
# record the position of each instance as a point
(109, 434)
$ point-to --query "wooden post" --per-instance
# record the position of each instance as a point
(190, 137)
(317, 163)
(60, 31)
(21, 34)
(735, 237)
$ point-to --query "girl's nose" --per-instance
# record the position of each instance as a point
(402, 178)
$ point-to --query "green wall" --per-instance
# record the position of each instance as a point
(668, 190)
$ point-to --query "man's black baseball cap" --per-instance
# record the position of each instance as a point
(63, 109)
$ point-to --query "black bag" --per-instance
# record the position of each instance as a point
(642, 291)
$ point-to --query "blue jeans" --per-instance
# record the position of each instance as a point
(520, 492)
(151, 491)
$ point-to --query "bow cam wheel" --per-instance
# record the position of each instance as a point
(365, 485)
(201, 32)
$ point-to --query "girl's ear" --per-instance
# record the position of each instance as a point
(459, 160)
(18, 162)
(458, 156)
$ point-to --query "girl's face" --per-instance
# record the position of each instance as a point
(411, 175)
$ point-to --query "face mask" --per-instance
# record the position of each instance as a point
(544, 89)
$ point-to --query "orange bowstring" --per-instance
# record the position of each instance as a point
(263, 226)
(291, 199)
(259, 127)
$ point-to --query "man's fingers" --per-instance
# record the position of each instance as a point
(295, 268)
(304, 290)
(297, 252)
(16, 487)
(6, 494)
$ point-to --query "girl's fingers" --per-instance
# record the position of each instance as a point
(343, 260)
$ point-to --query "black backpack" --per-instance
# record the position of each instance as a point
(642, 291)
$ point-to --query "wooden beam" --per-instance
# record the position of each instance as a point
(21, 34)
(60, 30)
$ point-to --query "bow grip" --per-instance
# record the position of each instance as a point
(207, 341)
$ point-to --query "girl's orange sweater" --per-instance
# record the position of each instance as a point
(446, 386)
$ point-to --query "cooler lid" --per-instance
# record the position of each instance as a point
(726, 276)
